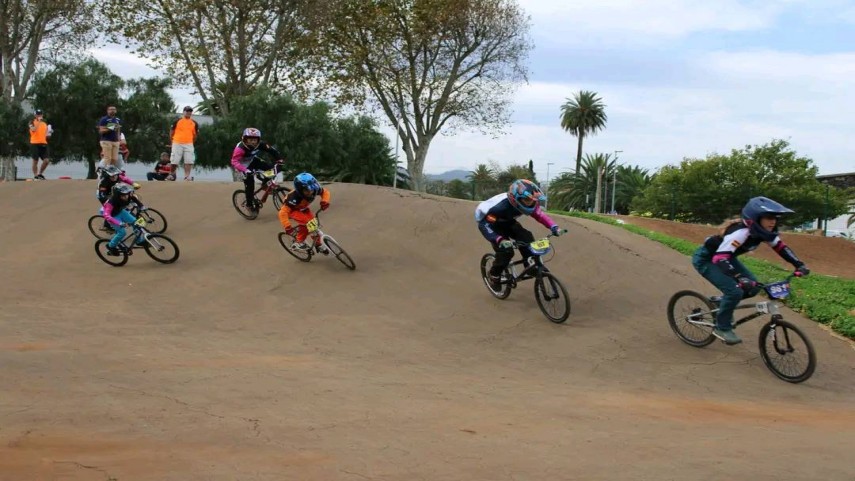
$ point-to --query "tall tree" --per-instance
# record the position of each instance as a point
(583, 115)
(13, 137)
(631, 182)
(78, 95)
(433, 64)
(578, 190)
(222, 48)
(483, 178)
(35, 31)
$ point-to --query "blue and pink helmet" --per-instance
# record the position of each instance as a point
(524, 195)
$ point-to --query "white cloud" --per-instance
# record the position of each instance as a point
(127, 65)
(655, 126)
(782, 68)
(635, 21)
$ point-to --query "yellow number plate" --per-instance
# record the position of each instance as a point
(269, 173)
(540, 244)
(140, 222)
(312, 225)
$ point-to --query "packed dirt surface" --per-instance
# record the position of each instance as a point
(831, 256)
(240, 363)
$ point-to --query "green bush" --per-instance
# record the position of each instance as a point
(824, 299)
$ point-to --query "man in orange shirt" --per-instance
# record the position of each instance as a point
(183, 135)
(39, 133)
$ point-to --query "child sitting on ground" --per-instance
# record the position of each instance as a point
(162, 169)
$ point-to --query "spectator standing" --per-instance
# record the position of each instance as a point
(183, 136)
(40, 131)
(110, 128)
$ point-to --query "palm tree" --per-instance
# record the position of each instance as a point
(578, 190)
(484, 179)
(631, 181)
(583, 115)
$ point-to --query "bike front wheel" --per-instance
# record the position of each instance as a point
(161, 248)
(96, 227)
(552, 298)
(691, 319)
(286, 240)
(242, 206)
(101, 246)
(787, 351)
(155, 222)
(504, 289)
(339, 253)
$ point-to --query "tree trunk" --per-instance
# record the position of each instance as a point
(597, 202)
(416, 164)
(90, 173)
(8, 171)
(579, 153)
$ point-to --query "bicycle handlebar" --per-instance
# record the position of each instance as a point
(523, 244)
(789, 277)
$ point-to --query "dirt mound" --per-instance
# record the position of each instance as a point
(239, 362)
(831, 256)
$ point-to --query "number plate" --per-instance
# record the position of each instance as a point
(778, 290)
(140, 222)
(312, 225)
(269, 173)
(540, 245)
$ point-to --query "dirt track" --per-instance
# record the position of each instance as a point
(240, 363)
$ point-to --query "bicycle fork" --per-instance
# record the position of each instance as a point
(784, 347)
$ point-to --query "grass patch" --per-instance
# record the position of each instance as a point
(824, 299)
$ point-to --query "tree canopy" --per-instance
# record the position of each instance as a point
(34, 33)
(221, 48)
(715, 188)
(430, 64)
(349, 149)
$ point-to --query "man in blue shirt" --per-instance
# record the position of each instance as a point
(110, 128)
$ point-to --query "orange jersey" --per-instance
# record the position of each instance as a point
(184, 131)
(295, 202)
(39, 135)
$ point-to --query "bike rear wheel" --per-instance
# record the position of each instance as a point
(299, 254)
(486, 264)
(787, 351)
(96, 227)
(155, 221)
(161, 248)
(241, 206)
(115, 261)
(339, 253)
(690, 318)
(552, 298)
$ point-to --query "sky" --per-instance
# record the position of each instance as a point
(679, 78)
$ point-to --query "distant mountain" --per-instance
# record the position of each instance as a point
(449, 175)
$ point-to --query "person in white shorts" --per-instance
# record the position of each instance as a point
(183, 134)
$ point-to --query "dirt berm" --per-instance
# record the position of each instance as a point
(240, 363)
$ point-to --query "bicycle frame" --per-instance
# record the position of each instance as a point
(761, 308)
(533, 270)
(137, 231)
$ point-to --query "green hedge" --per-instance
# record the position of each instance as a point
(827, 300)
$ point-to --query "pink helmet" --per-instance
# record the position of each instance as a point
(251, 132)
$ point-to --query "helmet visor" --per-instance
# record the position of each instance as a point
(528, 201)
